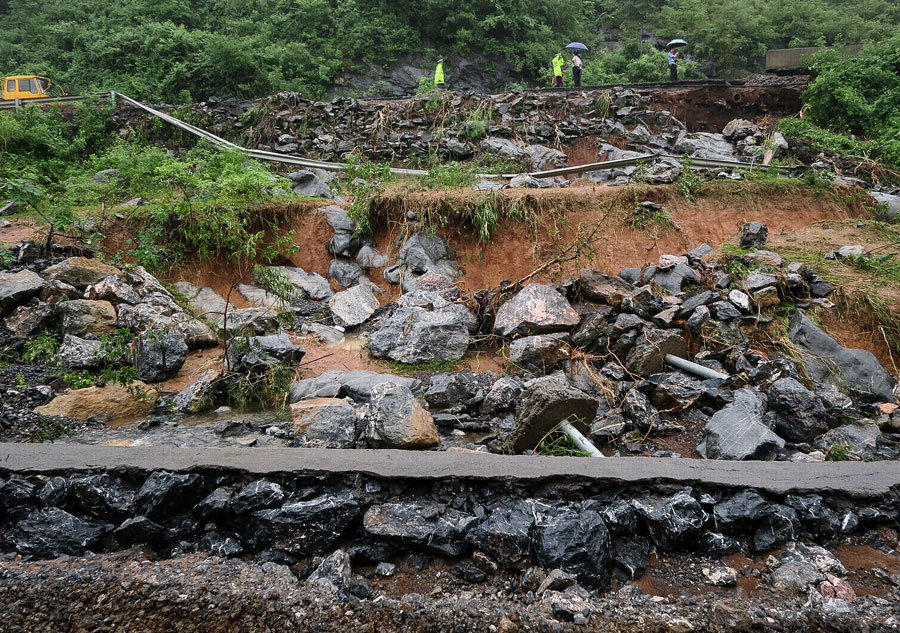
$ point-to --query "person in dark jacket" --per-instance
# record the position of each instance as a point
(673, 64)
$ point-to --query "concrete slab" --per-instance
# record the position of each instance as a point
(853, 479)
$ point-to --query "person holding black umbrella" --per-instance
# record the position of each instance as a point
(673, 58)
(577, 64)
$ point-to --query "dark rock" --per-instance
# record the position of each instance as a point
(164, 494)
(754, 235)
(345, 271)
(737, 432)
(593, 325)
(452, 388)
(544, 404)
(575, 541)
(809, 510)
(597, 286)
(222, 545)
(537, 355)
(139, 530)
(16, 491)
(51, 532)
(468, 571)
(724, 311)
(79, 353)
(536, 309)
(854, 369)
(421, 526)
(334, 572)
(699, 316)
(778, 527)
(637, 408)
(675, 392)
(306, 183)
(198, 395)
(800, 416)
(674, 521)
(503, 396)
(306, 527)
(674, 279)
(159, 355)
(767, 373)
(261, 493)
(741, 513)
(28, 320)
(104, 496)
(214, 506)
(356, 384)
(863, 439)
(426, 252)
(53, 494)
(631, 555)
(716, 544)
(505, 535)
(620, 518)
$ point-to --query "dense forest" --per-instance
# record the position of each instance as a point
(185, 50)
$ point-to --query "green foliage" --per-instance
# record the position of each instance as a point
(79, 380)
(838, 453)
(42, 347)
(7, 259)
(689, 181)
(20, 382)
(652, 218)
(269, 389)
(50, 429)
(364, 181)
(406, 369)
(558, 444)
(880, 265)
(861, 96)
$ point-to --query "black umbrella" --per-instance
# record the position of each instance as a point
(576, 46)
(676, 43)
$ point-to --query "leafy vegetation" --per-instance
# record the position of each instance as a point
(42, 347)
(176, 51)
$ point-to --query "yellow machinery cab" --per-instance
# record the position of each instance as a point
(29, 87)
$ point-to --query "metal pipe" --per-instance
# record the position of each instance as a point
(694, 368)
(580, 441)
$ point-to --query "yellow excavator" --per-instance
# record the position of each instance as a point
(29, 87)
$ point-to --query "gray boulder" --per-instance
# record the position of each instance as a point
(647, 356)
(17, 288)
(705, 145)
(425, 328)
(575, 541)
(675, 278)
(863, 438)
(546, 402)
(306, 183)
(353, 307)
(260, 297)
(356, 384)
(537, 354)
(261, 353)
(325, 423)
(889, 203)
(395, 419)
(28, 320)
(82, 316)
(828, 361)
(79, 353)
(159, 355)
(424, 526)
(247, 321)
(426, 252)
(543, 157)
(536, 309)
(503, 147)
(738, 129)
(597, 286)
(345, 271)
(737, 432)
(80, 272)
(307, 285)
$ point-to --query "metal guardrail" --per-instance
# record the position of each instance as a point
(288, 159)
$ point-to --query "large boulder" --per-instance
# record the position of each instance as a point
(325, 422)
(305, 527)
(598, 286)
(673, 521)
(159, 355)
(576, 541)
(112, 399)
(80, 272)
(798, 413)
(537, 354)
(503, 147)
(17, 288)
(420, 526)
(705, 145)
(356, 384)
(395, 419)
(737, 432)
(505, 535)
(261, 353)
(650, 349)
(306, 285)
(543, 157)
(352, 307)
(82, 316)
(28, 320)
(158, 311)
(80, 353)
(198, 395)
(306, 183)
(828, 361)
(52, 532)
(425, 328)
(536, 309)
(546, 402)
(754, 235)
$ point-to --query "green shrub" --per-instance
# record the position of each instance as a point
(42, 347)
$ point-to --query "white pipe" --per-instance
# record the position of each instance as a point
(580, 441)
(694, 368)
